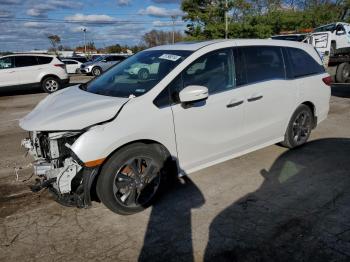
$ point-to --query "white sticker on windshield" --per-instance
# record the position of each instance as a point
(170, 57)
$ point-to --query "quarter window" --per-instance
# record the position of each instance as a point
(42, 60)
(213, 70)
(263, 63)
(302, 63)
(22, 61)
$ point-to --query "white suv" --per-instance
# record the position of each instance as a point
(121, 136)
(24, 70)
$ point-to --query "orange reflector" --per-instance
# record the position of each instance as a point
(94, 162)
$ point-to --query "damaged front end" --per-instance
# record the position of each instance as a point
(59, 169)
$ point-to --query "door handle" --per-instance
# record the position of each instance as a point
(234, 104)
(255, 98)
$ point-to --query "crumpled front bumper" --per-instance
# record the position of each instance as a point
(82, 192)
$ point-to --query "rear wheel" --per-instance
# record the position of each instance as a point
(299, 128)
(343, 73)
(50, 84)
(131, 179)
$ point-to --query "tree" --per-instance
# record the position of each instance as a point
(259, 18)
(158, 37)
(54, 40)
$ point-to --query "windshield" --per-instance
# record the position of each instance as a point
(136, 75)
(330, 27)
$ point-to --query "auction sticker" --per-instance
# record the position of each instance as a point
(170, 57)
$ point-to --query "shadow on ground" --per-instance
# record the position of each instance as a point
(169, 230)
(341, 90)
(301, 212)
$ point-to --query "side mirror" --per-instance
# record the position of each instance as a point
(193, 94)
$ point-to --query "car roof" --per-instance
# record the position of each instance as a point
(193, 46)
(29, 54)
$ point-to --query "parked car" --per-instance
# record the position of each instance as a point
(340, 37)
(118, 138)
(72, 66)
(24, 70)
(80, 59)
(101, 64)
(142, 70)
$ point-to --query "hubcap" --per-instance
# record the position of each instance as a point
(97, 72)
(51, 85)
(301, 127)
(136, 182)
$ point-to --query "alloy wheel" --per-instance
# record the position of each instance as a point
(302, 127)
(136, 182)
(51, 85)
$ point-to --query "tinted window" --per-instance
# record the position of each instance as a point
(213, 70)
(302, 63)
(44, 60)
(6, 62)
(22, 61)
(263, 63)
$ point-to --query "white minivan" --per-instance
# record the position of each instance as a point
(117, 138)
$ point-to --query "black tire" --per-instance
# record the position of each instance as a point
(123, 186)
(143, 74)
(343, 73)
(299, 127)
(96, 71)
(50, 84)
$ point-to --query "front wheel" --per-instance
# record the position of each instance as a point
(50, 84)
(299, 128)
(131, 179)
(96, 71)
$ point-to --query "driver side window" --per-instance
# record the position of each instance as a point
(213, 70)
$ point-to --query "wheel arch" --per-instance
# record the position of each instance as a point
(49, 75)
(312, 107)
(167, 154)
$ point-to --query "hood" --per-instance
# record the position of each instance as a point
(71, 109)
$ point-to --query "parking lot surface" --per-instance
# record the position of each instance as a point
(270, 205)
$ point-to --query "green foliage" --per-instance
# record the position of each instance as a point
(258, 18)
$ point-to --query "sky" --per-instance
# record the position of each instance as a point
(25, 24)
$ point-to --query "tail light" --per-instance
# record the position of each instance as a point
(327, 80)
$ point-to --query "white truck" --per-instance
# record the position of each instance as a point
(332, 41)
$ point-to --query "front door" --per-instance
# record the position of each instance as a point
(209, 131)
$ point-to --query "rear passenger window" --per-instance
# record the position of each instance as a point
(22, 61)
(42, 60)
(302, 63)
(263, 63)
